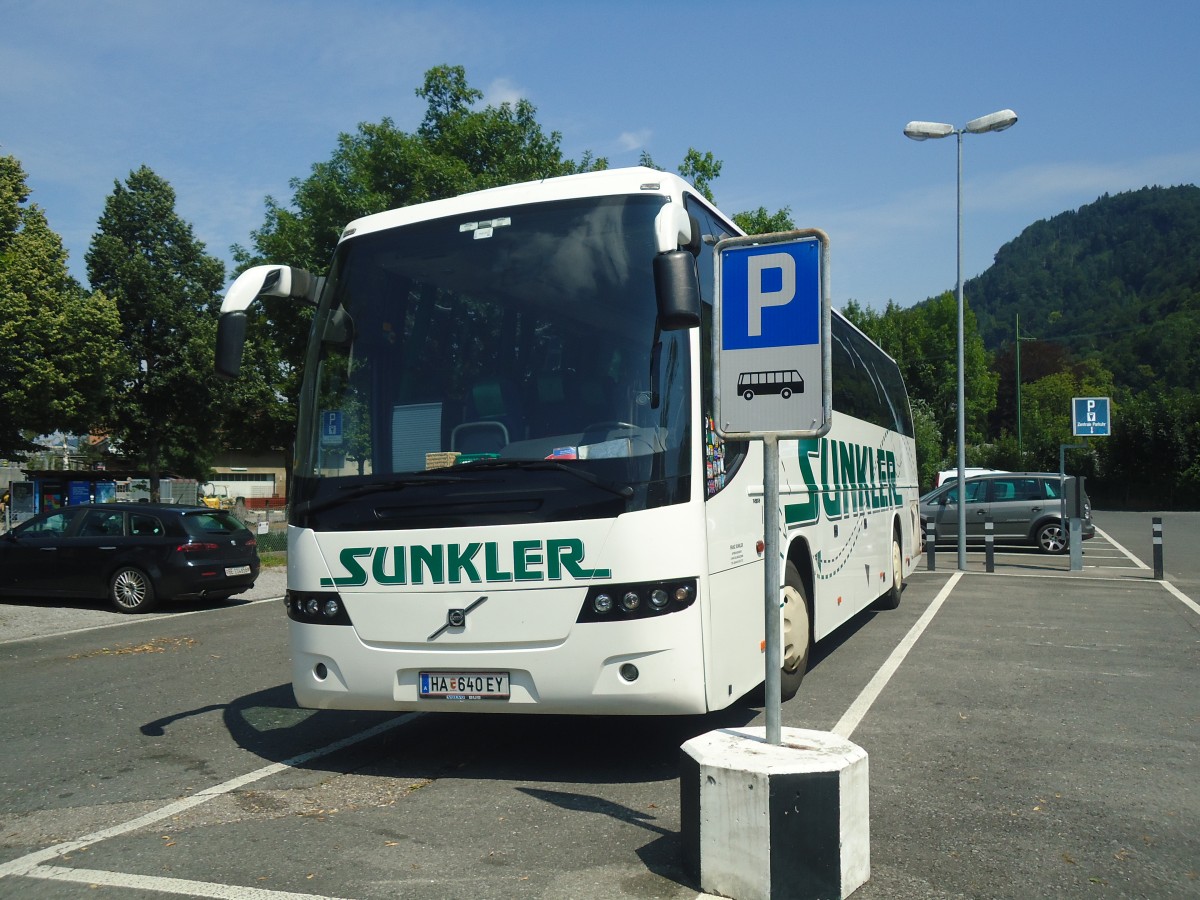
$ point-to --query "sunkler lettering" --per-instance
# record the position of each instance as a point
(471, 563)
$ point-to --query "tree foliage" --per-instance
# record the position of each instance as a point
(166, 288)
(923, 340)
(1117, 280)
(759, 221)
(56, 340)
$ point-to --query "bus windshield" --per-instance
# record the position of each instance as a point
(500, 355)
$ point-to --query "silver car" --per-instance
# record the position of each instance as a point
(1025, 508)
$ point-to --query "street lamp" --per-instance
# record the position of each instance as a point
(1020, 445)
(921, 131)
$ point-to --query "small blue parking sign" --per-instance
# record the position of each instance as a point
(331, 428)
(771, 316)
(1090, 417)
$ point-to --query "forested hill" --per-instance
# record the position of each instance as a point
(1118, 279)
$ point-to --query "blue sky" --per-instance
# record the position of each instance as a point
(805, 104)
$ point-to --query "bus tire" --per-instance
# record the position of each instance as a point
(797, 633)
(891, 599)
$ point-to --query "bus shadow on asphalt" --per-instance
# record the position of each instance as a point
(575, 749)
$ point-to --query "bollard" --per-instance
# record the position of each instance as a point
(989, 537)
(1156, 528)
(931, 545)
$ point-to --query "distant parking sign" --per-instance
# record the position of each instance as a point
(770, 335)
(1090, 416)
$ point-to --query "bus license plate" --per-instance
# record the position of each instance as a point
(230, 571)
(464, 685)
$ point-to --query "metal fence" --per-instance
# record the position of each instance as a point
(267, 520)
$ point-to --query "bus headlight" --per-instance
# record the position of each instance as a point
(316, 608)
(637, 601)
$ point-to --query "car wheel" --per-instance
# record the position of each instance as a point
(797, 634)
(1051, 538)
(132, 591)
(891, 599)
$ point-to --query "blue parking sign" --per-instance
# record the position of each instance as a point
(1090, 417)
(771, 315)
(331, 427)
(771, 296)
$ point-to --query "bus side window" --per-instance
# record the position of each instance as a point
(722, 458)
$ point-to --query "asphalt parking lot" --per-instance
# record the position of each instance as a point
(1032, 733)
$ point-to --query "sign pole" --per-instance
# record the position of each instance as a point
(771, 381)
(771, 583)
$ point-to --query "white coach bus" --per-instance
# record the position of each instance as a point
(509, 495)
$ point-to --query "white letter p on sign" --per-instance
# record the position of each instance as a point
(757, 297)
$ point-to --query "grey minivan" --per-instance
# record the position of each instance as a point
(1025, 508)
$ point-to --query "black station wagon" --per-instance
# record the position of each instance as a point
(136, 554)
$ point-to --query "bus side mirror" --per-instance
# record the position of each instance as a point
(255, 282)
(231, 340)
(677, 290)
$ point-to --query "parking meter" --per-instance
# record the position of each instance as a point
(1075, 494)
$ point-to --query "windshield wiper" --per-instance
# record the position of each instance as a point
(353, 491)
(544, 465)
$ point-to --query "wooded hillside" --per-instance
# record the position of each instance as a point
(1117, 280)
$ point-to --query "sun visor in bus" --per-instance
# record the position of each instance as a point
(677, 289)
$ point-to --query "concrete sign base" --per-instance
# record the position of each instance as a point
(765, 822)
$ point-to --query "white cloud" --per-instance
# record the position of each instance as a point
(502, 90)
(634, 140)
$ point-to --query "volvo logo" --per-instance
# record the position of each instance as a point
(456, 618)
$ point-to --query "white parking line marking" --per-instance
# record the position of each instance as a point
(1181, 596)
(1137, 562)
(862, 703)
(31, 866)
(163, 885)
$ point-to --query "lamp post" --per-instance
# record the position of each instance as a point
(921, 131)
(1020, 445)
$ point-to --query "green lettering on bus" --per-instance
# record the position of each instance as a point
(349, 560)
(398, 575)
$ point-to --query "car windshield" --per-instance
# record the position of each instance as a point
(493, 344)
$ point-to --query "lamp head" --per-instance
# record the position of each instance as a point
(921, 131)
(996, 121)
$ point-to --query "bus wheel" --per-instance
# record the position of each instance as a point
(797, 634)
(786, 394)
(748, 394)
(891, 599)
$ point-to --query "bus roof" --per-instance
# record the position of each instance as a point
(606, 182)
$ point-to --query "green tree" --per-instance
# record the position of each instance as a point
(930, 444)
(166, 287)
(57, 342)
(923, 339)
(759, 221)
(1046, 416)
(701, 169)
